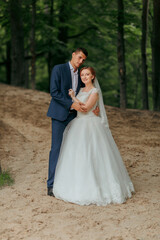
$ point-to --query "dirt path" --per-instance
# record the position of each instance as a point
(27, 213)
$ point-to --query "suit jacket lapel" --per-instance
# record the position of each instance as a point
(68, 75)
(79, 83)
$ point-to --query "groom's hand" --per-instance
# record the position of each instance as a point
(96, 111)
(78, 106)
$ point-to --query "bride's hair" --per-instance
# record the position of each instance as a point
(91, 70)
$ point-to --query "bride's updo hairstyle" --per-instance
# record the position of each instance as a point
(91, 70)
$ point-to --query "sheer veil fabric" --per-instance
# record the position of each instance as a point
(103, 115)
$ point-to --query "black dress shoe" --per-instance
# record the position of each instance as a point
(50, 192)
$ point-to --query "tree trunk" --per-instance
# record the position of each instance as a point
(156, 55)
(17, 43)
(144, 56)
(60, 55)
(26, 70)
(63, 32)
(8, 62)
(50, 55)
(33, 52)
(121, 55)
(137, 74)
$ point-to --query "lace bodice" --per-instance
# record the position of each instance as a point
(83, 97)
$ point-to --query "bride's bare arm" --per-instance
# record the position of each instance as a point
(91, 101)
(72, 95)
(77, 105)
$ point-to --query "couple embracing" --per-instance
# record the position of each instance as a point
(85, 166)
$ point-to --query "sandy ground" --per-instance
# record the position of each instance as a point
(26, 212)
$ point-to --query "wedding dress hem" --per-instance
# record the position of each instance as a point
(115, 198)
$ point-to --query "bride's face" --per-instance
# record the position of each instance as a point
(86, 76)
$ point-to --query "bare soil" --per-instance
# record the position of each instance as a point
(26, 212)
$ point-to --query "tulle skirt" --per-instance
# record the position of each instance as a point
(90, 169)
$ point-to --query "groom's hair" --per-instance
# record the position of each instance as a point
(81, 49)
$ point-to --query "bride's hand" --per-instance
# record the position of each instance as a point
(79, 106)
(71, 93)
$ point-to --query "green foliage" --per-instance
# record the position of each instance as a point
(5, 179)
(93, 25)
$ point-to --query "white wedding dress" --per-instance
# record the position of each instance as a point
(90, 169)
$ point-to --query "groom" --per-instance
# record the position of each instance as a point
(61, 109)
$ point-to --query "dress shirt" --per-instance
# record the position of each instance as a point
(74, 76)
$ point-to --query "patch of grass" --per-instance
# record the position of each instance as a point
(5, 179)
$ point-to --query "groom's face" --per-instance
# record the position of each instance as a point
(78, 58)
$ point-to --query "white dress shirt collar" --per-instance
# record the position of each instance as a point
(72, 68)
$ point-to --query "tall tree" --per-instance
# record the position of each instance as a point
(143, 54)
(8, 62)
(121, 55)
(50, 55)
(17, 43)
(64, 15)
(33, 51)
(156, 55)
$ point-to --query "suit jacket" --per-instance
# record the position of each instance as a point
(60, 83)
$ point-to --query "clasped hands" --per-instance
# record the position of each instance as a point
(79, 106)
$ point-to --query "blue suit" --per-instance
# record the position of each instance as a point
(59, 111)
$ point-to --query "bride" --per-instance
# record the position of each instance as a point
(90, 169)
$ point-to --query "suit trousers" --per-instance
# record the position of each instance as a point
(58, 128)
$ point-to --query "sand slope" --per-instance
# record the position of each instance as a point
(26, 212)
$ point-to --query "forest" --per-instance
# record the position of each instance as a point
(122, 38)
